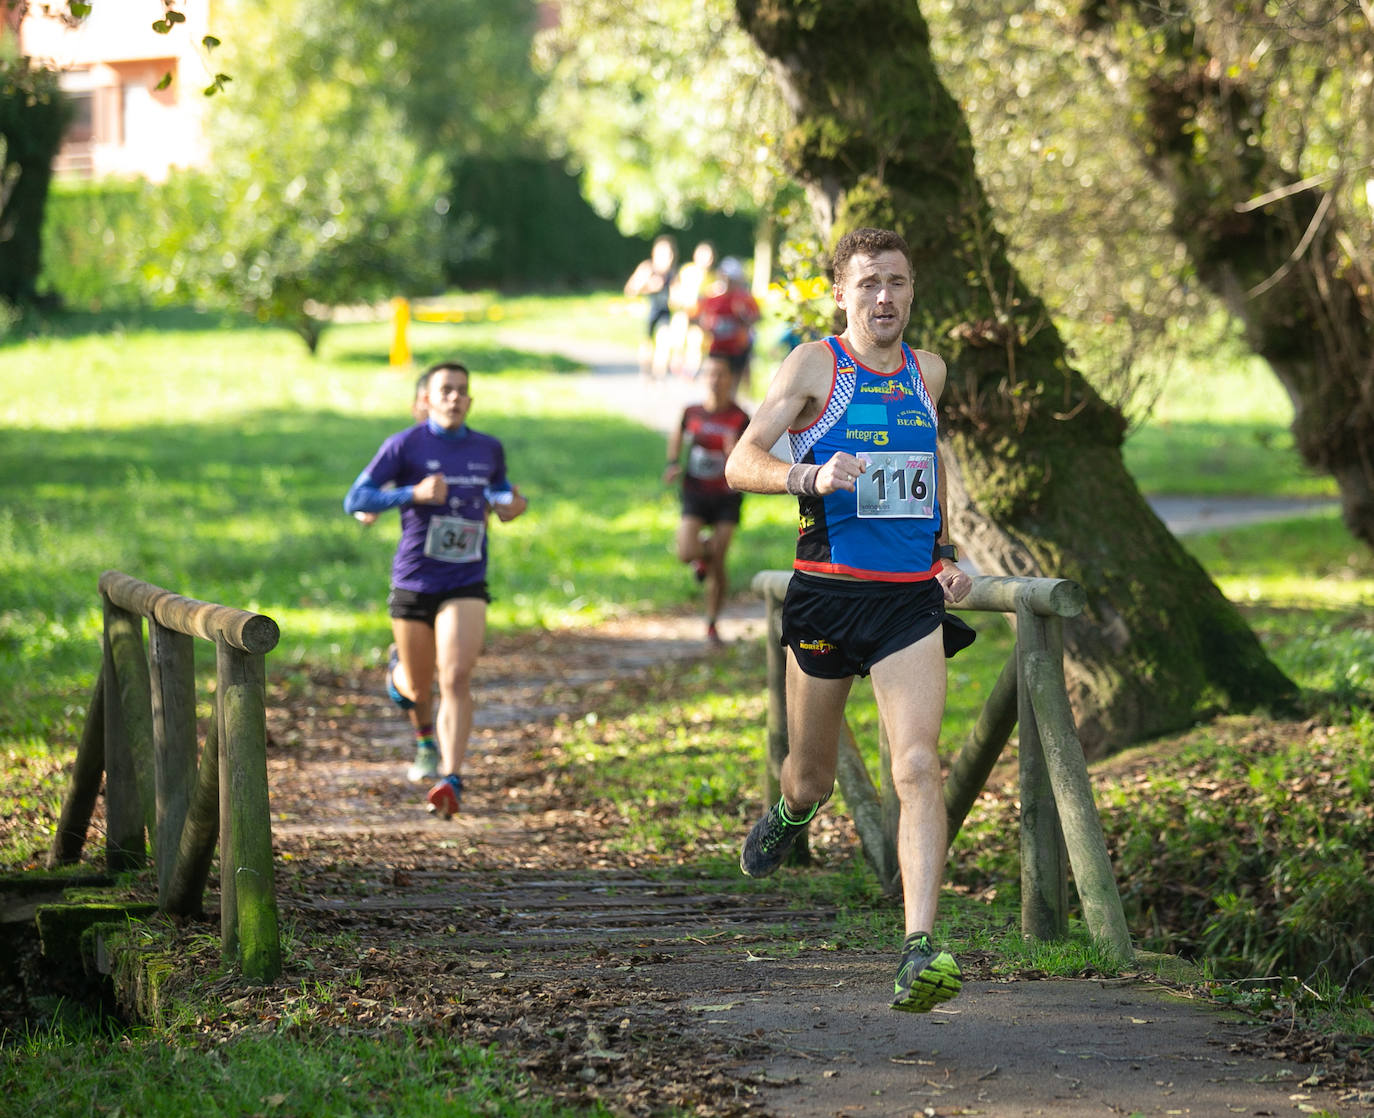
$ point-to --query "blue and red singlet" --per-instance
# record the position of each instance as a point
(887, 530)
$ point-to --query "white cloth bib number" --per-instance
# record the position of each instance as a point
(897, 484)
(451, 539)
(705, 464)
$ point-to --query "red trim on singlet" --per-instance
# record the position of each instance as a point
(866, 575)
(825, 407)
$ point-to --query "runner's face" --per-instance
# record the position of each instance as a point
(449, 402)
(875, 293)
(720, 381)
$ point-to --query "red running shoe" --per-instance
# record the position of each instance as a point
(444, 797)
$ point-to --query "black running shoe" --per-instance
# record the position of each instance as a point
(770, 839)
(926, 977)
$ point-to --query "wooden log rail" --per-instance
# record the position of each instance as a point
(1058, 814)
(140, 733)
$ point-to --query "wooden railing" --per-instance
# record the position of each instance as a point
(140, 733)
(1058, 813)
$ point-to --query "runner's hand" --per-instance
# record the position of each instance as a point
(954, 582)
(431, 490)
(839, 473)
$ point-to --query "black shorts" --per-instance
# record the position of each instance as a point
(416, 605)
(838, 628)
(712, 508)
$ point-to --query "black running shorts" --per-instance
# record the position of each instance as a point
(713, 508)
(838, 628)
(416, 605)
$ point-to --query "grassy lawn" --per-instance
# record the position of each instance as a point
(1222, 431)
(210, 456)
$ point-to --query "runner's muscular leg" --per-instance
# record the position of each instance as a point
(910, 688)
(815, 712)
(459, 630)
(414, 675)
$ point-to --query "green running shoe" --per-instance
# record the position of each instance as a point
(771, 838)
(926, 977)
(425, 767)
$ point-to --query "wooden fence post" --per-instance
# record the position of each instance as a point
(172, 675)
(145, 721)
(1054, 778)
(969, 771)
(124, 842)
(879, 848)
(776, 660)
(1044, 881)
(247, 858)
(1092, 867)
(186, 890)
(75, 819)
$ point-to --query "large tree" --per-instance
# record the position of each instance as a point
(1038, 485)
(33, 116)
(1258, 118)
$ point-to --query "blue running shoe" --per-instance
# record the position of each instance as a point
(926, 977)
(394, 658)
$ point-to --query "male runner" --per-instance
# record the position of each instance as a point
(447, 479)
(872, 574)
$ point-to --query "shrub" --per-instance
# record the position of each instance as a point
(95, 237)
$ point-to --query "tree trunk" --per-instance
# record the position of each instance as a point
(33, 117)
(1038, 486)
(1282, 266)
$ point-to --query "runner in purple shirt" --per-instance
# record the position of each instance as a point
(445, 479)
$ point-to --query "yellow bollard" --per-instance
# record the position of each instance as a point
(400, 316)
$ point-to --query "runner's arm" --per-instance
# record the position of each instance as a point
(795, 397)
(365, 495)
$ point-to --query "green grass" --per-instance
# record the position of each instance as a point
(211, 458)
(1222, 430)
(291, 1072)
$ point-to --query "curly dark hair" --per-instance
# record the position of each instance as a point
(869, 242)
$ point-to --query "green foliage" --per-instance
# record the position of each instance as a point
(96, 243)
(294, 1071)
(457, 72)
(665, 106)
(316, 198)
(527, 224)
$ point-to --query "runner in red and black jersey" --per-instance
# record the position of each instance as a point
(710, 508)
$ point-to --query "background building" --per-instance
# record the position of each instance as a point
(110, 65)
